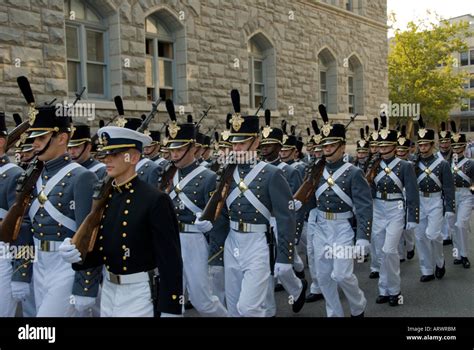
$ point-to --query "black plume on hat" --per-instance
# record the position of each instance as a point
(119, 105)
(293, 130)
(268, 117)
(227, 120)
(25, 88)
(367, 130)
(421, 123)
(17, 119)
(362, 136)
(308, 131)
(101, 123)
(323, 112)
(453, 126)
(314, 124)
(235, 96)
(190, 118)
(383, 120)
(376, 124)
(170, 109)
(283, 126)
(403, 131)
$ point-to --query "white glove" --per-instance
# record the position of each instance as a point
(20, 290)
(204, 225)
(298, 205)
(164, 314)
(411, 225)
(69, 252)
(281, 269)
(450, 218)
(82, 303)
(364, 248)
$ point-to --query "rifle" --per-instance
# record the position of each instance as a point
(261, 105)
(204, 114)
(313, 175)
(271, 246)
(166, 177)
(372, 168)
(150, 116)
(11, 224)
(216, 203)
(86, 234)
(78, 96)
(15, 134)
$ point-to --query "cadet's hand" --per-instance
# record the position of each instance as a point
(20, 290)
(411, 225)
(364, 248)
(82, 303)
(69, 252)
(298, 205)
(204, 225)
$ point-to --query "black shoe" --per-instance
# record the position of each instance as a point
(312, 297)
(465, 262)
(188, 305)
(300, 274)
(447, 242)
(382, 299)
(402, 260)
(394, 300)
(457, 261)
(279, 287)
(440, 271)
(358, 316)
(374, 275)
(298, 304)
(427, 278)
(410, 254)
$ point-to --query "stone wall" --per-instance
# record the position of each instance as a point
(216, 34)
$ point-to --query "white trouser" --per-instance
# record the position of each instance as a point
(375, 253)
(288, 279)
(53, 279)
(407, 243)
(217, 276)
(247, 273)
(446, 230)
(7, 303)
(93, 311)
(311, 227)
(126, 300)
(429, 240)
(388, 221)
(195, 252)
(334, 271)
(464, 200)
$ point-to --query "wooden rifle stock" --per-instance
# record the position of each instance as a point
(11, 224)
(16, 133)
(311, 181)
(372, 168)
(86, 234)
(217, 201)
(166, 177)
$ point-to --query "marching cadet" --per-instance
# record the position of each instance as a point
(25, 154)
(362, 150)
(251, 203)
(270, 146)
(342, 192)
(80, 146)
(309, 148)
(396, 192)
(288, 153)
(153, 151)
(436, 185)
(192, 186)
(138, 233)
(445, 152)
(9, 174)
(60, 201)
(406, 248)
(463, 170)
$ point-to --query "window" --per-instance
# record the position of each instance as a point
(464, 126)
(323, 88)
(464, 104)
(328, 80)
(471, 85)
(350, 84)
(349, 5)
(471, 57)
(86, 36)
(160, 63)
(464, 58)
(262, 72)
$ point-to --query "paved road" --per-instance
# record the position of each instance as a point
(453, 296)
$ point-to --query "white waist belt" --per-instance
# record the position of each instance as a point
(187, 228)
(127, 279)
(335, 216)
(47, 246)
(244, 227)
(385, 195)
(430, 194)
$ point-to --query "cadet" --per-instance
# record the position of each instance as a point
(61, 200)
(395, 192)
(192, 186)
(342, 192)
(362, 159)
(9, 174)
(80, 147)
(288, 153)
(445, 152)
(463, 170)
(251, 203)
(436, 184)
(138, 232)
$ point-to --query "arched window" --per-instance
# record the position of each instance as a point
(262, 72)
(165, 57)
(355, 86)
(328, 80)
(86, 38)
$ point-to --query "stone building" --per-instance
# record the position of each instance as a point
(297, 54)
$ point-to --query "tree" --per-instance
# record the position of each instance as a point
(422, 68)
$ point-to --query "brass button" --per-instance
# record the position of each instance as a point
(88, 273)
(126, 212)
(105, 258)
(124, 235)
(124, 223)
(128, 201)
(101, 237)
(124, 268)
